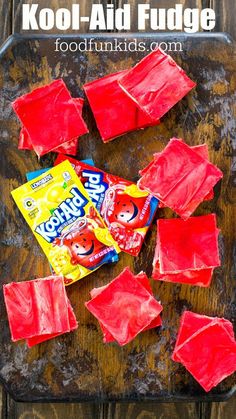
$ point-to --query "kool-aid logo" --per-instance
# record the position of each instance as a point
(95, 186)
(67, 212)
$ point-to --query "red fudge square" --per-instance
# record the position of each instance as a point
(143, 279)
(66, 148)
(49, 116)
(156, 84)
(207, 349)
(180, 178)
(36, 307)
(42, 338)
(202, 150)
(24, 140)
(190, 244)
(69, 147)
(115, 113)
(124, 307)
(201, 277)
(107, 337)
(190, 323)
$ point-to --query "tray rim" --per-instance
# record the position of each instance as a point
(207, 397)
(204, 398)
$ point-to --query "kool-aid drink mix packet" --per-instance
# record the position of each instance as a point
(126, 210)
(65, 222)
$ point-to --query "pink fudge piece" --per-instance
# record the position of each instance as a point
(143, 279)
(202, 150)
(69, 147)
(156, 84)
(36, 307)
(125, 307)
(115, 113)
(49, 116)
(180, 178)
(207, 348)
(190, 244)
(42, 338)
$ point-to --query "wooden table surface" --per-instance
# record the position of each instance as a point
(11, 22)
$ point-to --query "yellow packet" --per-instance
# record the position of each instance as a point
(65, 222)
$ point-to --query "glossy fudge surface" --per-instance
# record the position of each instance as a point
(36, 307)
(49, 116)
(143, 279)
(191, 323)
(202, 150)
(191, 244)
(115, 113)
(70, 147)
(201, 277)
(156, 84)
(180, 178)
(42, 338)
(212, 340)
(124, 307)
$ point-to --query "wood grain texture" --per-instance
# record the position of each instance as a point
(54, 411)
(225, 16)
(5, 19)
(104, 411)
(225, 410)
